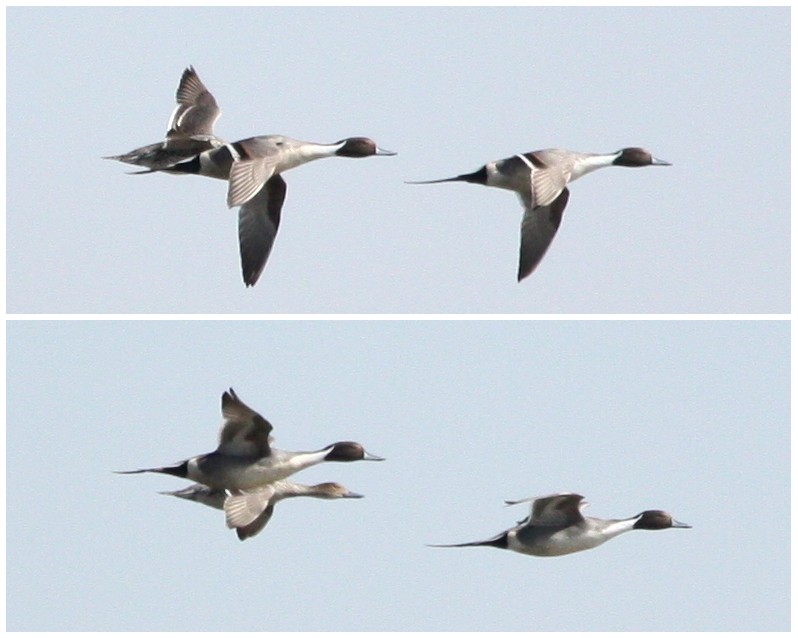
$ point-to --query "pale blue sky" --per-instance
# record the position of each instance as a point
(690, 417)
(449, 89)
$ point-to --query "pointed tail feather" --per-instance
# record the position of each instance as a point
(180, 470)
(480, 176)
(500, 541)
(459, 178)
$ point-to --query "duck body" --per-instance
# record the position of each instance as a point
(253, 168)
(540, 180)
(244, 458)
(249, 163)
(544, 541)
(556, 527)
(248, 513)
(226, 471)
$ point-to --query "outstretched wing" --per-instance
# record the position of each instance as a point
(196, 111)
(258, 221)
(538, 228)
(244, 508)
(245, 432)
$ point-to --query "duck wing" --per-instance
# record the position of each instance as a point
(555, 510)
(551, 170)
(258, 221)
(538, 227)
(244, 508)
(245, 432)
(257, 525)
(196, 111)
(258, 160)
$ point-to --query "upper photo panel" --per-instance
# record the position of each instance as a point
(156, 160)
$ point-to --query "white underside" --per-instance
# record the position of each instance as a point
(572, 539)
(279, 465)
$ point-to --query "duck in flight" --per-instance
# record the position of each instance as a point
(248, 513)
(252, 166)
(540, 180)
(245, 460)
(556, 526)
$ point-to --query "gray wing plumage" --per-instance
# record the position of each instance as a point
(557, 510)
(244, 508)
(196, 111)
(245, 433)
(259, 159)
(552, 171)
(190, 129)
(248, 531)
(258, 222)
(538, 228)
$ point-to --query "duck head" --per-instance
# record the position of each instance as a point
(360, 147)
(635, 157)
(657, 519)
(335, 490)
(345, 451)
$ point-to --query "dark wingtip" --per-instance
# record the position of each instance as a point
(228, 396)
(524, 272)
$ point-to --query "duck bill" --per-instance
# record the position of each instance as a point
(367, 456)
(676, 523)
(382, 151)
(352, 495)
(659, 162)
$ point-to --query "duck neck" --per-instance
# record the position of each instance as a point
(613, 527)
(589, 163)
(310, 152)
(289, 489)
(301, 460)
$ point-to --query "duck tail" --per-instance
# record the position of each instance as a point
(477, 177)
(180, 470)
(499, 541)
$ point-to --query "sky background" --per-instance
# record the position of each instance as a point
(448, 89)
(690, 417)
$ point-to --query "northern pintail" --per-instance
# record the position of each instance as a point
(249, 512)
(245, 460)
(190, 128)
(556, 526)
(539, 179)
(253, 168)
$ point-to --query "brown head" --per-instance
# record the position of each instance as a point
(657, 519)
(635, 157)
(334, 490)
(360, 147)
(344, 451)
